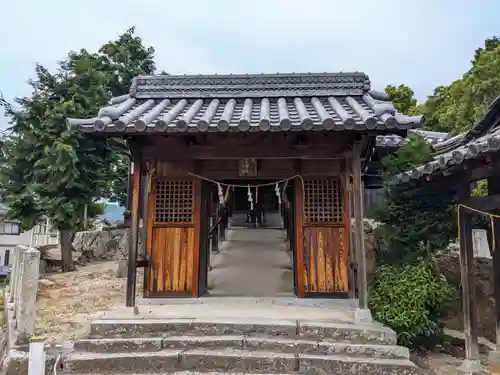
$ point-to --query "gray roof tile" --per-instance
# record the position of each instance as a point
(484, 137)
(461, 148)
(265, 102)
(395, 141)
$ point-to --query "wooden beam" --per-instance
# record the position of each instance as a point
(488, 203)
(134, 227)
(359, 233)
(179, 152)
(468, 280)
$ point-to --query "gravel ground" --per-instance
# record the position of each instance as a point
(67, 302)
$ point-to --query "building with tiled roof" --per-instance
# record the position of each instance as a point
(471, 147)
(248, 103)
(204, 145)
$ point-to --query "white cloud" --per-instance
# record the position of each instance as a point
(421, 44)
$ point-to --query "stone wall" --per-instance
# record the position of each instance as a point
(449, 265)
(109, 244)
(20, 298)
(20, 310)
(105, 245)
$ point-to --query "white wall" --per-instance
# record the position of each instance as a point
(37, 236)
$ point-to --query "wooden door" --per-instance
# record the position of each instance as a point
(173, 238)
(322, 238)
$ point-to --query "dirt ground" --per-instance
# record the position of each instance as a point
(443, 364)
(68, 302)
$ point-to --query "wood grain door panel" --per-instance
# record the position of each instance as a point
(173, 239)
(322, 242)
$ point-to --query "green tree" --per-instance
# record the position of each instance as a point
(417, 221)
(408, 293)
(53, 171)
(402, 98)
(458, 106)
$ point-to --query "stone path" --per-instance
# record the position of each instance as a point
(241, 308)
(273, 221)
(252, 262)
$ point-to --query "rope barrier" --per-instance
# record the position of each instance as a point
(491, 216)
(249, 186)
(246, 185)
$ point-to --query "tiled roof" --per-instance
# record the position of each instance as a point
(395, 141)
(482, 139)
(260, 102)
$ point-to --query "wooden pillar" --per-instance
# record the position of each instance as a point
(222, 223)
(468, 281)
(359, 234)
(284, 215)
(353, 284)
(496, 276)
(214, 237)
(128, 203)
(494, 189)
(134, 228)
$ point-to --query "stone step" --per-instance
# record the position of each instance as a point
(184, 373)
(270, 344)
(234, 361)
(317, 330)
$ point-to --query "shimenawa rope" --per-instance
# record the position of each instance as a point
(490, 215)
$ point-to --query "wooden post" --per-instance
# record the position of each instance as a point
(493, 189)
(215, 217)
(134, 228)
(472, 360)
(359, 234)
(222, 224)
(85, 216)
(128, 203)
(495, 356)
(284, 215)
(353, 285)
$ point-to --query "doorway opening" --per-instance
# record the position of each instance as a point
(255, 259)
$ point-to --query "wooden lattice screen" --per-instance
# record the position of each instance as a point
(174, 201)
(323, 201)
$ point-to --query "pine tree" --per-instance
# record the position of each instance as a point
(48, 169)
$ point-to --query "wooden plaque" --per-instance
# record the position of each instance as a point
(247, 168)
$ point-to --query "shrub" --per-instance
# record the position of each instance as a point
(409, 299)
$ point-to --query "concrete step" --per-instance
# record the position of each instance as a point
(232, 360)
(317, 330)
(270, 344)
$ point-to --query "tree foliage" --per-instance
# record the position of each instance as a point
(410, 298)
(51, 170)
(408, 293)
(419, 221)
(402, 98)
(458, 106)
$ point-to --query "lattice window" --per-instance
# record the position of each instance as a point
(174, 201)
(323, 201)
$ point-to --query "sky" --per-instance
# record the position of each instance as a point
(422, 43)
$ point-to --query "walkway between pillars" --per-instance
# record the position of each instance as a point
(252, 262)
